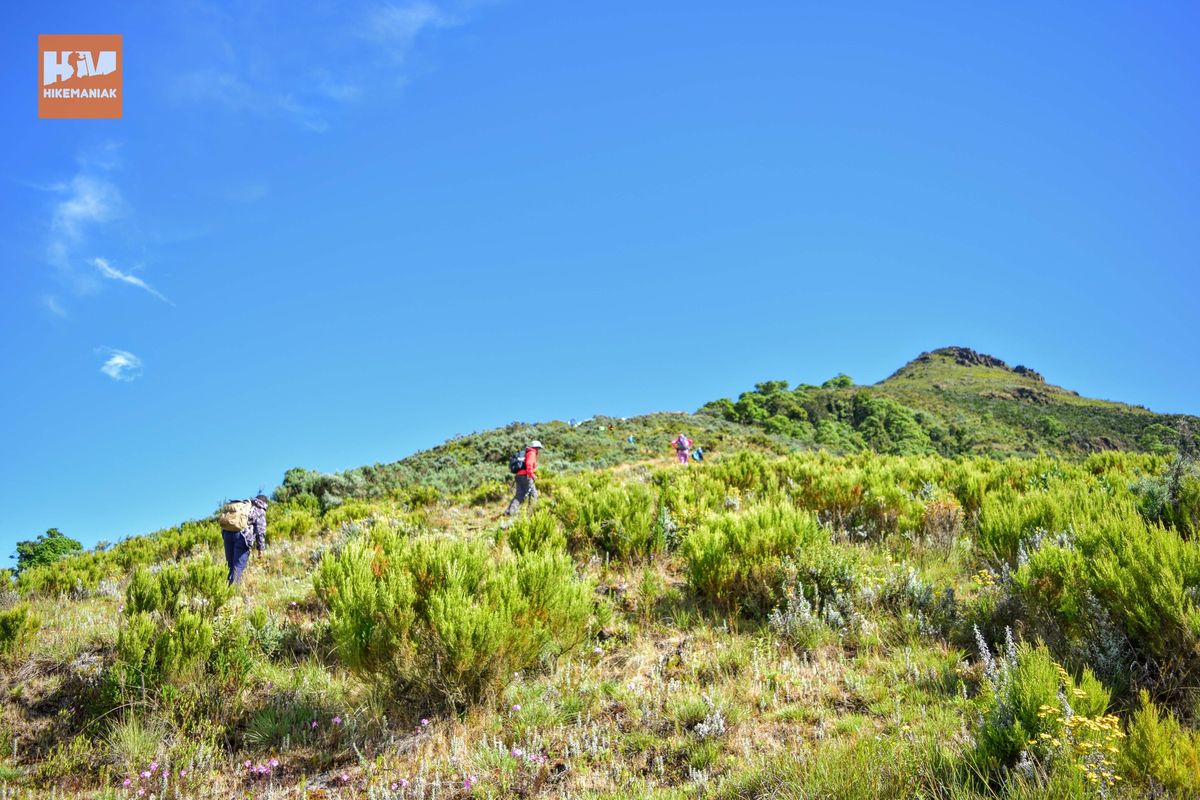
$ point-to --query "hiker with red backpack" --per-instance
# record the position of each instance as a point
(243, 526)
(683, 446)
(524, 465)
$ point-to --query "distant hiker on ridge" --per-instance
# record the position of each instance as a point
(524, 465)
(243, 525)
(683, 446)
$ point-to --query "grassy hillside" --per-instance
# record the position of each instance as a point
(779, 621)
(954, 401)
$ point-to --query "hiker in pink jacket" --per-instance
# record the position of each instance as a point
(682, 446)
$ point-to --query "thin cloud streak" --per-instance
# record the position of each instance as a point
(110, 272)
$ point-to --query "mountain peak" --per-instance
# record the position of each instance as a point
(964, 357)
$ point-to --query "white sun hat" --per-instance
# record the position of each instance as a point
(535, 444)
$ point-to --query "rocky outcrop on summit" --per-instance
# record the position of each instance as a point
(966, 357)
(1029, 373)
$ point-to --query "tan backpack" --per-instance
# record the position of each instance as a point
(235, 515)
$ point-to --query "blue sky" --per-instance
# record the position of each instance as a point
(329, 234)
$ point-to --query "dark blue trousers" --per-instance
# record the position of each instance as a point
(237, 553)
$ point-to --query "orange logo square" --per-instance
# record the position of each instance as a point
(79, 76)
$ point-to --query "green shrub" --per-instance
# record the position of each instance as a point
(148, 652)
(533, 532)
(487, 493)
(168, 631)
(746, 562)
(291, 523)
(17, 627)
(201, 584)
(444, 619)
(1031, 708)
(344, 513)
(1116, 582)
(618, 520)
(1160, 754)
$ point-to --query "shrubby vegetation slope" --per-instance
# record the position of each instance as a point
(873, 611)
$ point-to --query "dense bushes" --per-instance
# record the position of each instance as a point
(168, 628)
(538, 531)
(1034, 715)
(83, 572)
(17, 626)
(1160, 754)
(619, 520)
(444, 620)
(466, 463)
(746, 562)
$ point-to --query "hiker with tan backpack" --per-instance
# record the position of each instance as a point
(243, 525)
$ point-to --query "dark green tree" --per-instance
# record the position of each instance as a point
(46, 549)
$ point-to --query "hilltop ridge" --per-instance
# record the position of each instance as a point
(963, 357)
(953, 401)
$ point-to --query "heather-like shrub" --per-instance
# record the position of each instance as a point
(291, 523)
(1009, 515)
(149, 651)
(201, 585)
(1160, 754)
(448, 620)
(345, 513)
(83, 572)
(17, 626)
(1116, 583)
(1035, 717)
(168, 631)
(942, 523)
(619, 520)
(745, 561)
(533, 532)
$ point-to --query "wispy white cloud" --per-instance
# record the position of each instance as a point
(120, 365)
(347, 51)
(303, 113)
(220, 86)
(51, 303)
(89, 212)
(326, 85)
(112, 273)
(396, 26)
(89, 200)
(224, 88)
